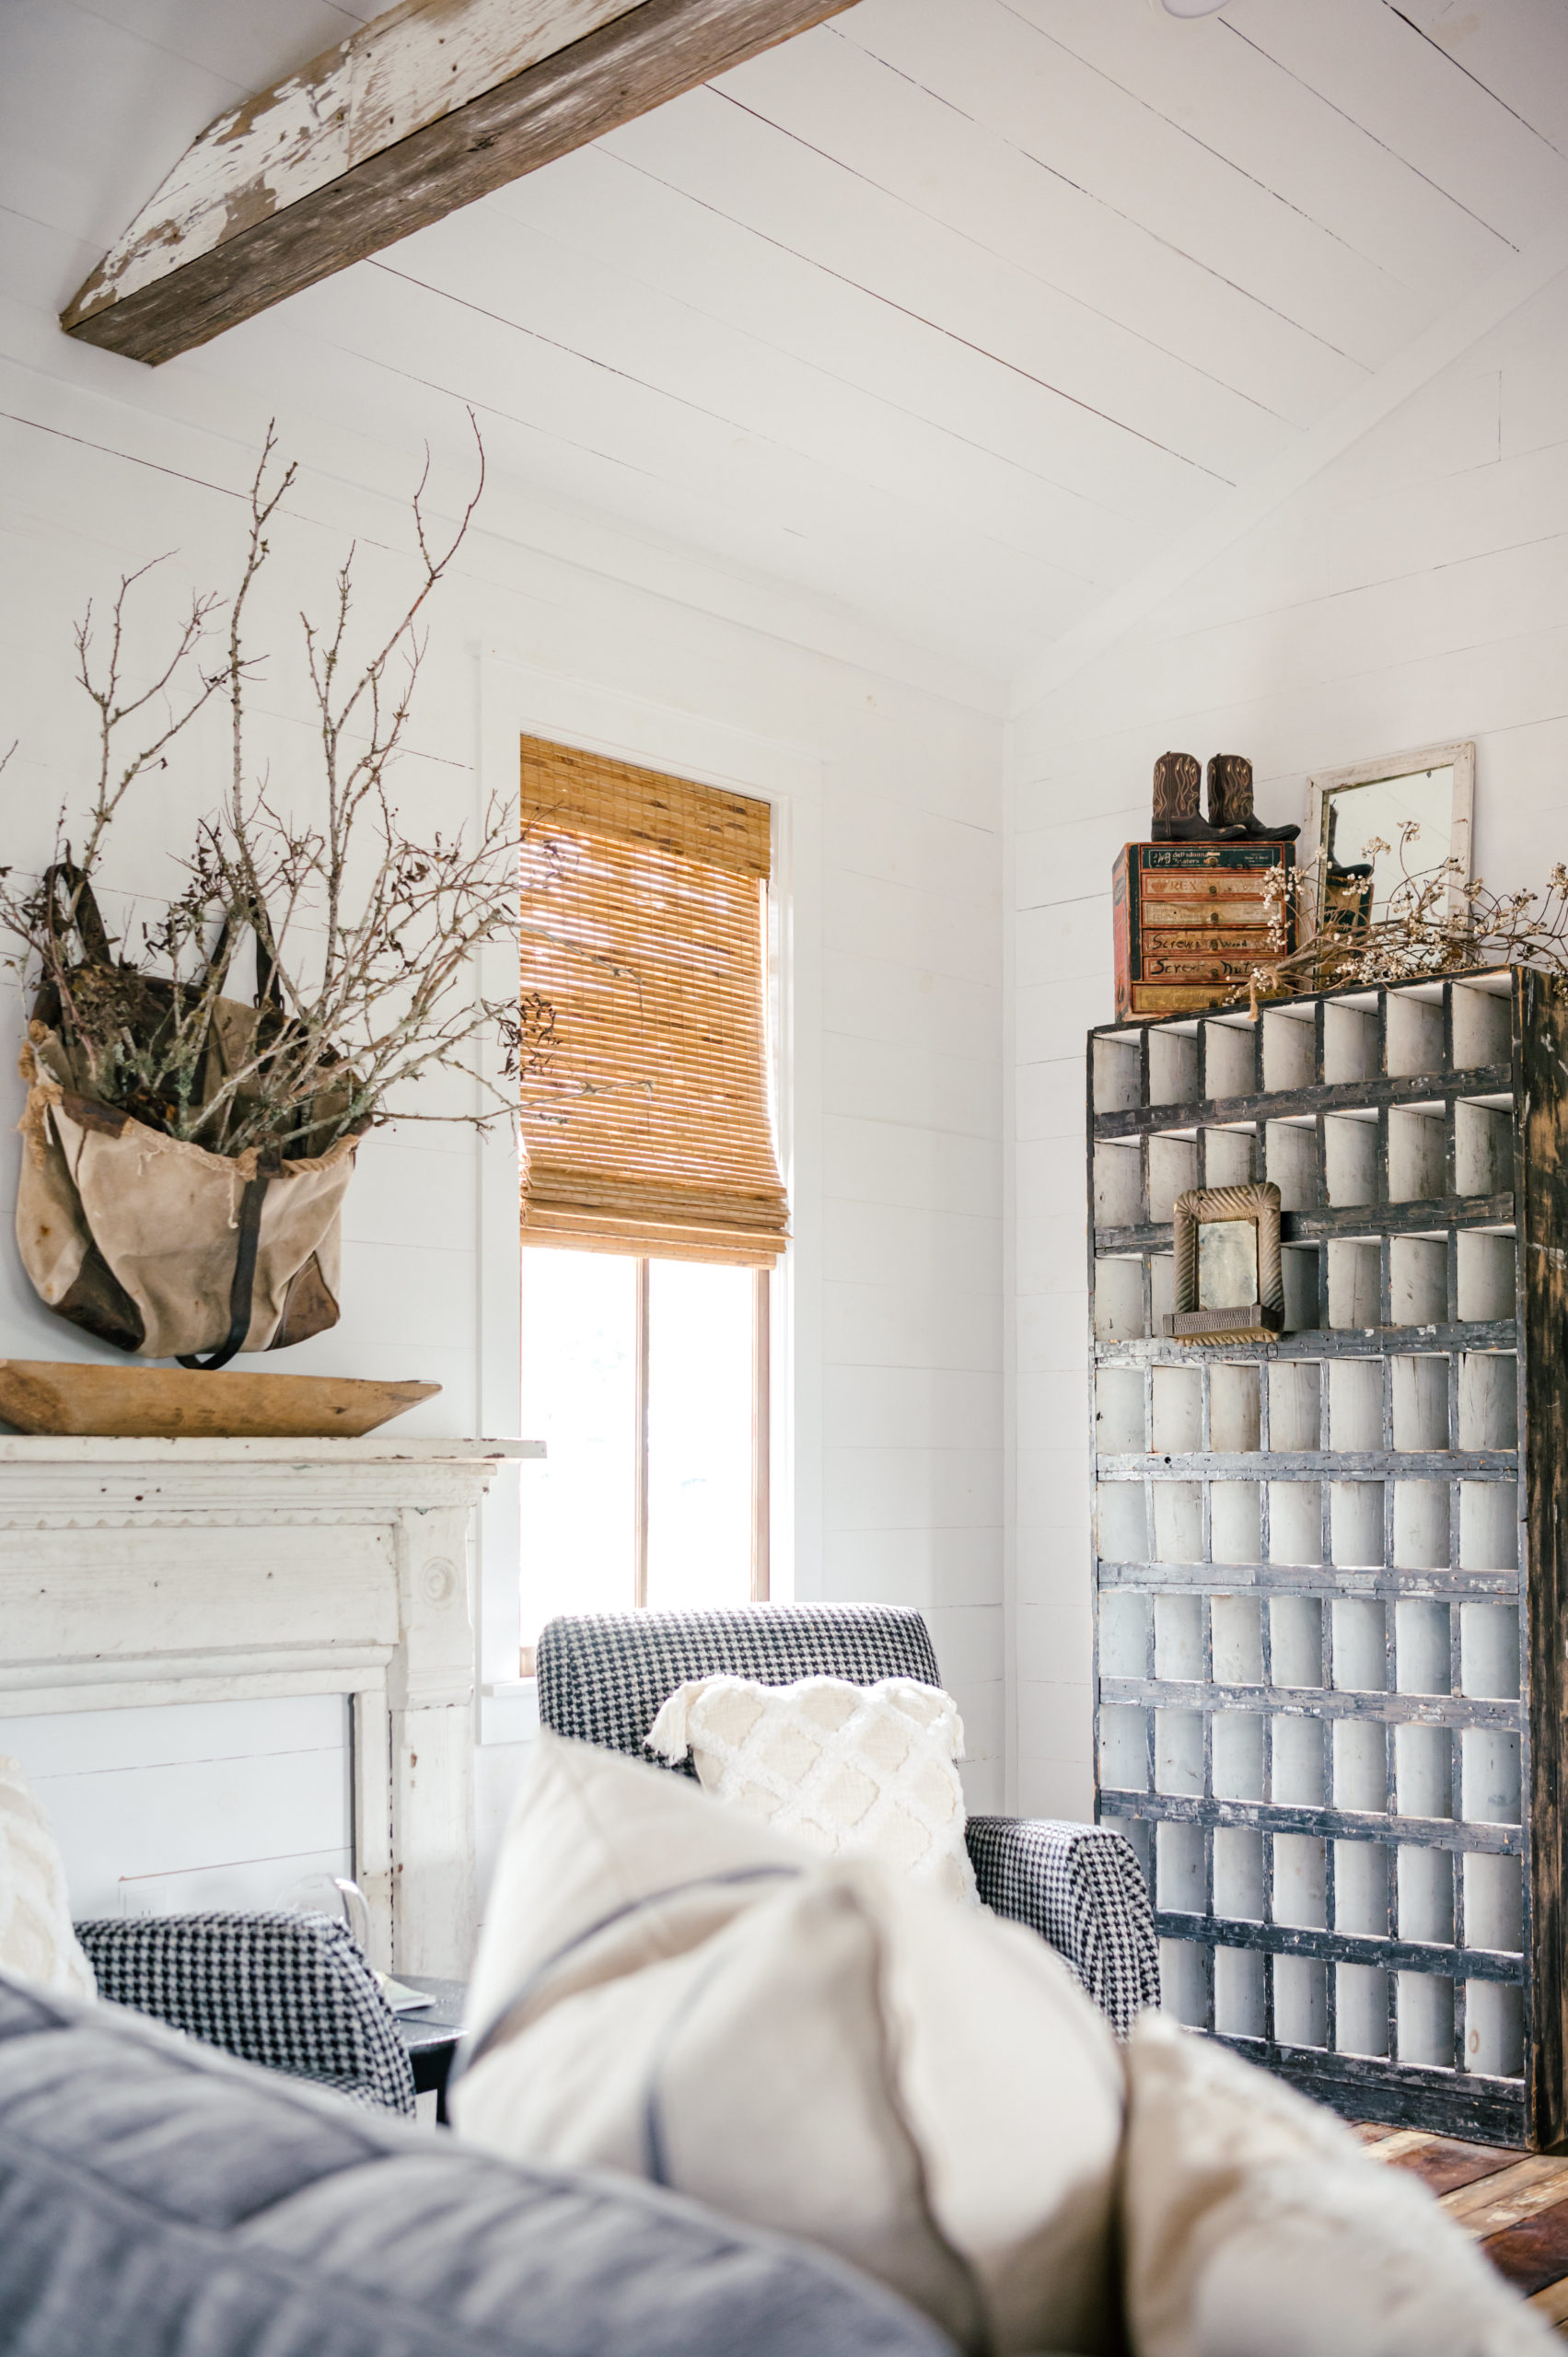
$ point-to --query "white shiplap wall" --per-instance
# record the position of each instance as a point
(213, 1804)
(102, 467)
(1416, 591)
(821, 401)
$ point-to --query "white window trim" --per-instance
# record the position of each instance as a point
(518, 698)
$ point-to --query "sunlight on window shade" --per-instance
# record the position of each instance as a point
(700, 1329)
(579, 1393)
(648, 1121)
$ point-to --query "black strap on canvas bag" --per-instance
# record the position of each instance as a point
(269, 988)
(268, 1164)
(83, 919)
(269, 993)
(73, 911)
(77, 911)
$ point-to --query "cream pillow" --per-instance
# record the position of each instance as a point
(36, 1942)
(820, 2048)
(1252, 2221)
(840, 1767)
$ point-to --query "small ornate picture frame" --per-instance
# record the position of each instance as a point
(1229, 1283)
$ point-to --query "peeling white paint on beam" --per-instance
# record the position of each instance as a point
(396, 75)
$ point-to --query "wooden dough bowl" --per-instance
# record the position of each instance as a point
(180, 1403)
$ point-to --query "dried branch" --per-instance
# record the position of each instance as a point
(1437, 922)
(113, 715)
(366, 938)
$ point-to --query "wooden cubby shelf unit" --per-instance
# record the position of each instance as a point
(1331, 1568)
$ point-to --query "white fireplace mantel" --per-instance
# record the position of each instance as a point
(197, 1570)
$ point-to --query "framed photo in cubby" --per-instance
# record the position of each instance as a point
(1228, 1280)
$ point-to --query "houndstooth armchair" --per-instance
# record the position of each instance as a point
(292, 1992)
(603, 1677)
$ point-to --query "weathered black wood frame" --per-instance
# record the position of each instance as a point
(1532, 2110)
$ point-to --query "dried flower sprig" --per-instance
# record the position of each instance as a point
(1437, 922)
(367, 937)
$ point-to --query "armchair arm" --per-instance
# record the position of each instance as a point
(1080, 1887)
(291, 1992)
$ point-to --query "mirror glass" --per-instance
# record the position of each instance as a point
(1355, 816)
(1227, 1263)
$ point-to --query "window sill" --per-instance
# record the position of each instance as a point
(508, 1711)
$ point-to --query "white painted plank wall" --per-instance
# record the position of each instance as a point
(213, 1805)
(103, 464)
(1416, 591)
(819, 400)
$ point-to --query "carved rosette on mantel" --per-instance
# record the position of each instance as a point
(136, 1572)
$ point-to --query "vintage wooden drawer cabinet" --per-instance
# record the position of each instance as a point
(1331, 1569)
(1191, 921)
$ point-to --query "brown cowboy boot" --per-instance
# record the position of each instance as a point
(1177, 779)
(1230, 801)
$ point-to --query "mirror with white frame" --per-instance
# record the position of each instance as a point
(1349, 809)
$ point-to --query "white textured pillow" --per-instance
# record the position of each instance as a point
(820, 2048)
(36, 1942)
(843, 1768)
(1253, 2221)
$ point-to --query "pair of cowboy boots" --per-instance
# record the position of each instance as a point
(1231, 819)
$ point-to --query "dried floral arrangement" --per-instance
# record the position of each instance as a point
(1438, 921)
(367, 936)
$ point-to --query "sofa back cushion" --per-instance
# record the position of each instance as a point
(157, 2199)
(819, 2047)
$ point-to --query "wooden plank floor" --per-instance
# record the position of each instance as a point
(1514, 2204)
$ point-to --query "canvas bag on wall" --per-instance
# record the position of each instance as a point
(153, 1243)
(136, 1236)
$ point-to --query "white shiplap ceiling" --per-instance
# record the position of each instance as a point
(958, 312)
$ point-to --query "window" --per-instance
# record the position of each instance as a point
(647, 1380)
(652, 1204)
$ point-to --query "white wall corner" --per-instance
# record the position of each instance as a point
(1009, 1283)
(1446, 339)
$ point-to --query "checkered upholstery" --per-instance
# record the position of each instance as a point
(603, 1677)
(1081, 1887)
(292, 1992)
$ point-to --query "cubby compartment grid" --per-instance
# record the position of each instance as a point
(1319, 1559)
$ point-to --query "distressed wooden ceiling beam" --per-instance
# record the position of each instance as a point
(421, 111)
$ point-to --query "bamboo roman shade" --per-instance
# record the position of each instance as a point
(643, 925)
